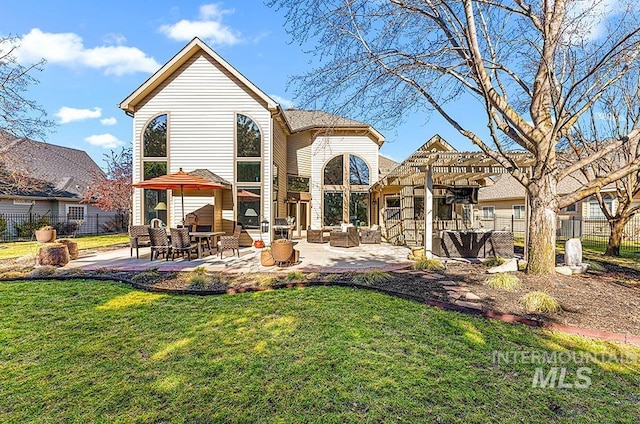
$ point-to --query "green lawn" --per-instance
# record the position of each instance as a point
(86, 351)
(17, 249)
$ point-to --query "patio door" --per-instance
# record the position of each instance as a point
(299, 210)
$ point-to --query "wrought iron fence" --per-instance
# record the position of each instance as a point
(591, 231)
(20, 226)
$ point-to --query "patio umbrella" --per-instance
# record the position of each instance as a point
(247, 195)
(178, 181)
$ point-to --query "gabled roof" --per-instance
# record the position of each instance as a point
(299, 120)
(385, 165)
(506, 187)
(449, 167)
(66, 172)
(196, 45)
(206, 174)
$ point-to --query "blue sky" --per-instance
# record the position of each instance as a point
(97, 54)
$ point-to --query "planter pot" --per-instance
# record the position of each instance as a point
(417, 252)
(259, 244)
(266, 258)
(45, 236)
(281, 251)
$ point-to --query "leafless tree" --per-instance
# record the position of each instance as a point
(20, 117)
(618, 114)
(532, 68)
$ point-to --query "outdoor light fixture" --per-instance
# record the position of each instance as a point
(161, 206)
(264, 227)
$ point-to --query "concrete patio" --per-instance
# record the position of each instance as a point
(314, 257)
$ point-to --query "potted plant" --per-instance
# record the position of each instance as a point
(266, 258)
(258, 244)
(46, 234)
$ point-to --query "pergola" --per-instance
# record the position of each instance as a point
(436, 168)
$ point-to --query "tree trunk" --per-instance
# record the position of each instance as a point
(615, 239)
(542, 227)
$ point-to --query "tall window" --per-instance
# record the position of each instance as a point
(346, 196)
(248, 171)
(595, 212)
(154, 164)
(518, 211)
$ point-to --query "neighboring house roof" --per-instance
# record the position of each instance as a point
(303, 120)
(64, 171)
(506, 187)
(205, 173)
(196, 45)
(385, 165)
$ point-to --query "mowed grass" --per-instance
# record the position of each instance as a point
(22, 248)
(87, 351)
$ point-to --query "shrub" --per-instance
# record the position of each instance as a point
(66, 228)
(540, 302)
(147, 275)
(372, 277)
(28, 226)
(494, 261)
(295, 276)
(503, 282)
(596, 266)
(427, 264)
(198, 276)
(3, 225)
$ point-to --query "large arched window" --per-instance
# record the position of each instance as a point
(345, 195)
(154, 163)
(248, 172)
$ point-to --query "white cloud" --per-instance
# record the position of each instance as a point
(285, 103)
(70, 114)
(208, 26)
(67, 49)
(109, 121)
(107, 141)
(588, 19)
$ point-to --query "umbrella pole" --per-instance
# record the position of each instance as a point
(182, 203)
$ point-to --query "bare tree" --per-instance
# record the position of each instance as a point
(112, 190)
(20, 117)
(531, 68)
(618, 115)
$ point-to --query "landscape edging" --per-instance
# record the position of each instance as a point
(489, 314)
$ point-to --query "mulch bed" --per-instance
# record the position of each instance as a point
(606, 301)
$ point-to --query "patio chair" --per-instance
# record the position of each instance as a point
(316, 236)
(181, 243)
(138, 237)
(347, 237)
(373, 235)
(231, 242)
(159, 243)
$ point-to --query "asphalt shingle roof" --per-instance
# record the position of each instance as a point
(65, 171)
(386, 165)
(300, 120)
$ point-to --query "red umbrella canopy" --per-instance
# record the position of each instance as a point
(247, 195)
(178, 181)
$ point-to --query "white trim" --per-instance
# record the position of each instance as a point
(195, 45)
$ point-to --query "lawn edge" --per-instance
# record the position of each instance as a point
(471, 309)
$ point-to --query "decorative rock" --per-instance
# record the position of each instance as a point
(472, 296)
(564, 270)
(508, 266)
(470, 305)
(573, 252)
(72, 246)
(54, 254)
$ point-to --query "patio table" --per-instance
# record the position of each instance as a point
(201, 236)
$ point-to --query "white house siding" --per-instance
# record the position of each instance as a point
(299, 154)
(201, 99)
(325, 148)
(280, 159)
